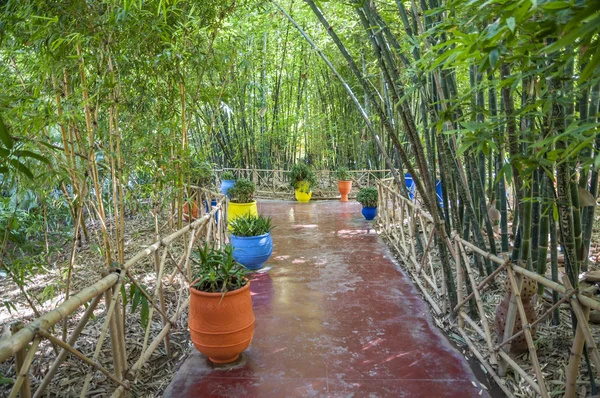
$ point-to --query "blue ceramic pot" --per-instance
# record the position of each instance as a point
(225, 185)
(369, 212)
(410, 184)
(252, 251)
(213, 203)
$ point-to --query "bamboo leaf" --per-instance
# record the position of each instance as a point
(4, 135)
(32, 155)
(591, 66)
(145, 312)
(511, 24)
(22, 168)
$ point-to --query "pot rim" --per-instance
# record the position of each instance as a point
(251, 237)
(345, 180)
(219, 294)
(227, 180)
(368, 207)
(241, 204)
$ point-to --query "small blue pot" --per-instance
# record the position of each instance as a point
(369, 212)
(225, 185)
(252, 251)
(213, 203)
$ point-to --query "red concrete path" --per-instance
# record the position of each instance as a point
(335, 317)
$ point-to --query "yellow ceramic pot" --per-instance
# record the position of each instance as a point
(303, 193)
(235, 210)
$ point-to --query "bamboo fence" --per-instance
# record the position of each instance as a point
(275, 182)
(405, 224)
(25, 340)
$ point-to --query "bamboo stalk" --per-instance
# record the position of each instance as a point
(516, 289)
(537, 321)
(487, 366)
(18, 341)
(95, 365)
(459, 284)
(19, 361)
(105, 327)
(63, 354)
(23, 378)
(483, 283)
(482, 317)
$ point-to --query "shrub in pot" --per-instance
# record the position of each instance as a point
(227, 181)
(344, 183)
(368, 198)
(251, 240)
(241, 200)
(302, 179)
(221, 319)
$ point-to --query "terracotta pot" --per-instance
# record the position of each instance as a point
(186, 211)
(221, 327)
(344, 187)
(528, 289)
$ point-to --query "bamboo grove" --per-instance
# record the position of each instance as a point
(106, 106)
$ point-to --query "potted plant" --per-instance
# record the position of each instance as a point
(301, 181)
(251, 240)
(227, 181)
(241, 200)
(368, 198)
(344, 183)
(221, 319)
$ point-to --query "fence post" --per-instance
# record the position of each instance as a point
(19, 361)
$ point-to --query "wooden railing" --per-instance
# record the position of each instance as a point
(170, 258)
(275, 182)
(409, 230)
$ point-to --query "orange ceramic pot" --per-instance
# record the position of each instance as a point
(344, 187)
(221, 327)
(186, 211)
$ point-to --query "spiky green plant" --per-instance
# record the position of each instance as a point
(216, 271)
(227, 175)
(250, 225)
(302, 173)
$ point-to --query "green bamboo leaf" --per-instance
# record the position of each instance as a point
(137, 296)
(4, 135)
(591, 67)
(556, 5)
(32, 155)
(124, 294)
(145, 312)
(3, 169)
(493, 57)
(511, 24)
(22, 168)
(555, 211)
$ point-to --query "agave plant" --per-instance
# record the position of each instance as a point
(250, 225)
(216, 270)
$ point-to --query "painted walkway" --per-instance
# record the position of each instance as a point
(335, 317)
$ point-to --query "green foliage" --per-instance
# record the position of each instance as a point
(242, 191)
(227, 175)
(203, 174)
(301, 172)
(250, 225)
(137, 299)
(343, 174)
(367, 197)
(215, 270)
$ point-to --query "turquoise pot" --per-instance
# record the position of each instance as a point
(252, 251)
